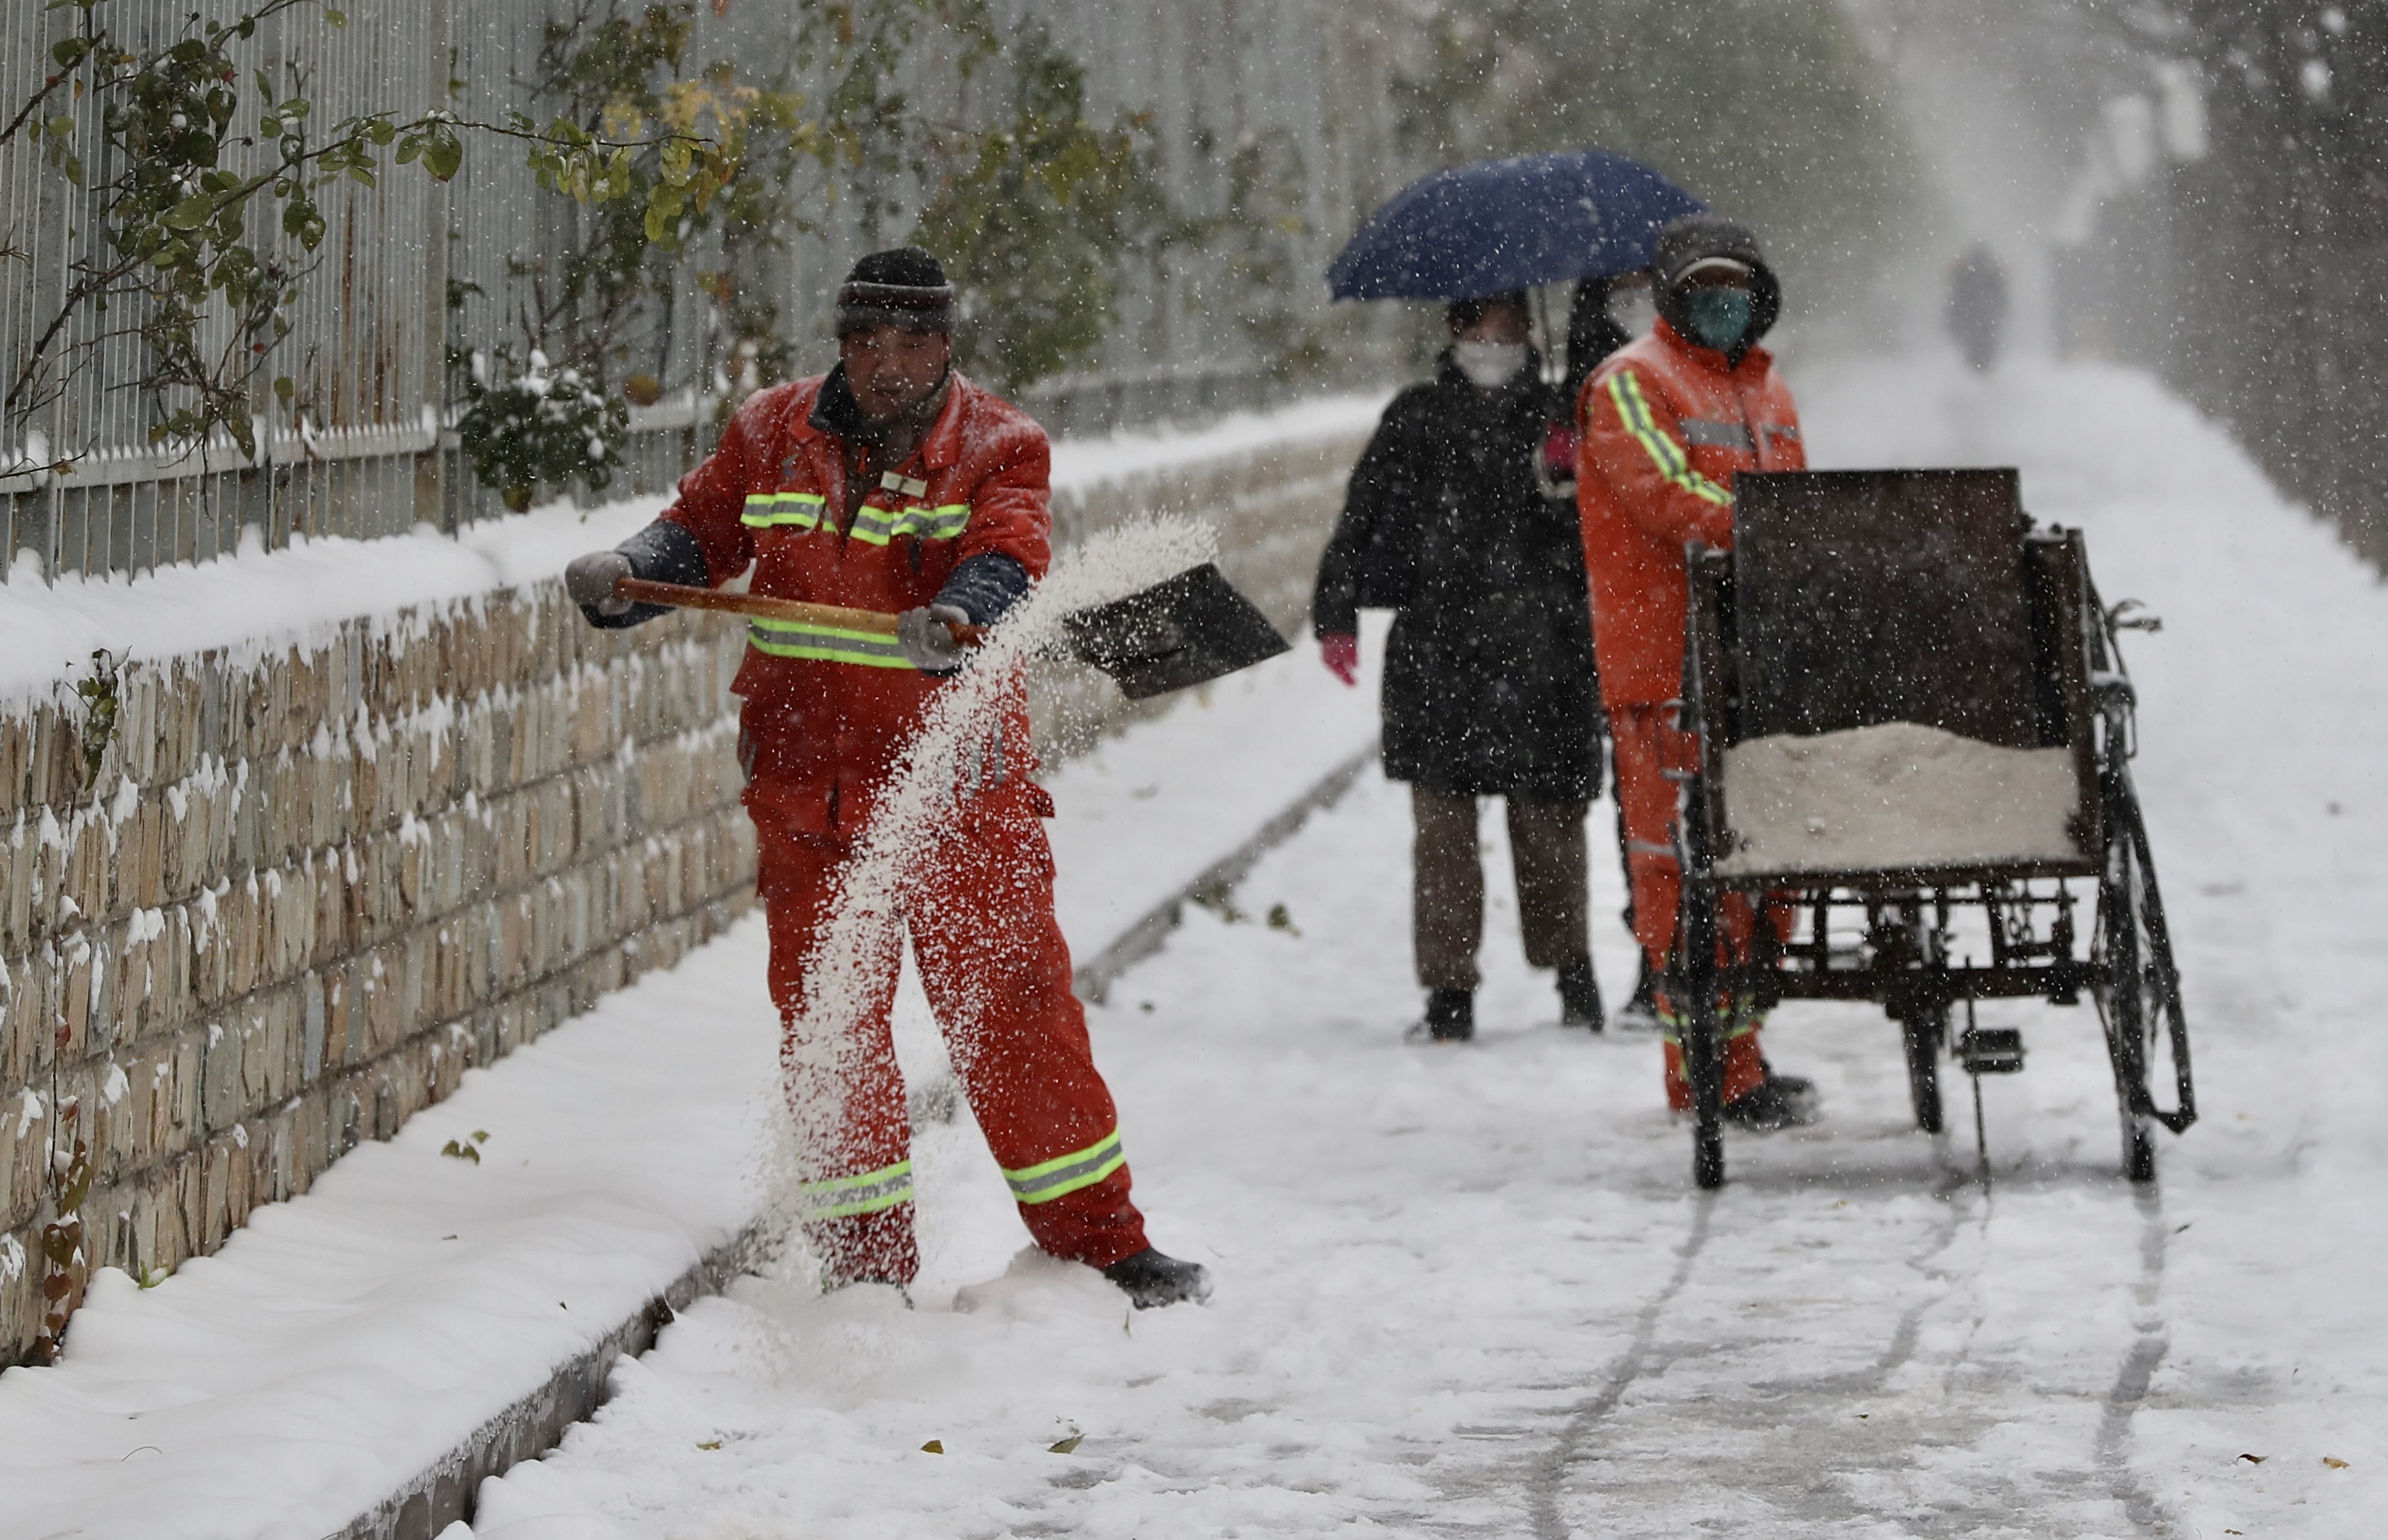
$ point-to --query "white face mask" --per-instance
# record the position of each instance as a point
(1634, 310)
(1489, 364)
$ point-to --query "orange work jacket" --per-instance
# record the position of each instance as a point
(1665, 423)
(826, 712)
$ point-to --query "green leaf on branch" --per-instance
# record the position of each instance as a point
(190, 213)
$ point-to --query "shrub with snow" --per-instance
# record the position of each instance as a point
(539, 428)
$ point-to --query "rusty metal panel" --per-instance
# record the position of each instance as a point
(1865, 597)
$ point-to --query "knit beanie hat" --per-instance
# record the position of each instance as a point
(904, 287)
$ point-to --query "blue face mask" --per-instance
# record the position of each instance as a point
(1718, 317)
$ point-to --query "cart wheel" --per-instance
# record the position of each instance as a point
(1924, 1036)
(1707, 1156)
(2139, 1150)
(2129, 985)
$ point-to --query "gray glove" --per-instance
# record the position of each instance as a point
(589, 580)
(928, 640)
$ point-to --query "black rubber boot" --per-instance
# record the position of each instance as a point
(1580, 998)
(1151, 1279)
(1776, 1101)
(1450, 1018)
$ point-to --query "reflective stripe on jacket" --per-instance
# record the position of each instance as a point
(1666, 425)
(828, 710)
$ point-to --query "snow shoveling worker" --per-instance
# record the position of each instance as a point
(1667, 421)
(895, 483)
(1451, 522)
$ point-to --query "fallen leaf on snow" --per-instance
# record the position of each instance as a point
(710, 1444)
(1068, 1445)
(934, 1446)
(2333, 1462)
(2254, 1460)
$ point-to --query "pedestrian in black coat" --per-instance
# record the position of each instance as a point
(1489, 687)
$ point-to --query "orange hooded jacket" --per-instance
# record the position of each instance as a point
(1665, 423)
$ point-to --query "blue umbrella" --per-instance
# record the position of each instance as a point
(1499, 225)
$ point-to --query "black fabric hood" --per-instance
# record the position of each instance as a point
(1695, 237)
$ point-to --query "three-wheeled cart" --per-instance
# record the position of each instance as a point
(1910, 733)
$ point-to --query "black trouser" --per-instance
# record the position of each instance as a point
(1546, 848)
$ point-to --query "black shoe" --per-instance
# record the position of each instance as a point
(1450, 1018)
(1793, 1085)
(1580, 998)
(1641, 1012)
(1151, 1279)
(1776, 1101)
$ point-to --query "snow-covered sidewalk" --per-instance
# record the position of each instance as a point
(1472, 1290)
(346, 1340)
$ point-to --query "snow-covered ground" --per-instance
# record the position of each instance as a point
(1461, 1289)
(344, 1341)
(1471, 1290)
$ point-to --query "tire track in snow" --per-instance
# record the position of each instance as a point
(1908, 1330)
(2139, 1367)
(1550, 1472)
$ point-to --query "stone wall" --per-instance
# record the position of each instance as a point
(316, 887)
(305, 891)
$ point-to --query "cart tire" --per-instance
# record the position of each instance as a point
(1923, 1036)
(2126, 1004)
(2138, 1151)
(1707, 1158)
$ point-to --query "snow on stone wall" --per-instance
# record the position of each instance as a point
(315, 879)
(313, 890)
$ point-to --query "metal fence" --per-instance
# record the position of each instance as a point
(412, 269)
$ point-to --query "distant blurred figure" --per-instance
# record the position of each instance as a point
(1977, 305)
(1489, 687)
(1606, 314)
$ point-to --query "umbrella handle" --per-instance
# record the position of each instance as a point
(766, 607)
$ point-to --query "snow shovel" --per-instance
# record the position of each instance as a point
(1183, 631)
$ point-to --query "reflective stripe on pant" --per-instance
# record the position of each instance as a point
(997, 972)
(1646, 749)
(1744, 1067)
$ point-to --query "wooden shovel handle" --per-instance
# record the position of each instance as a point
(681, 596)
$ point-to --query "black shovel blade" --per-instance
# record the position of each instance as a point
(1192, 627)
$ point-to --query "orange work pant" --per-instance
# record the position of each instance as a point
(997, 971)
(1647, 748)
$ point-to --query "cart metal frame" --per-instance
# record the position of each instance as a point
(2081, 698)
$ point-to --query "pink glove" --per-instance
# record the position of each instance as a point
(1559, 447)
(1339, 651)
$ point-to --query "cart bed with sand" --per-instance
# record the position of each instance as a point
(1912, 735)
